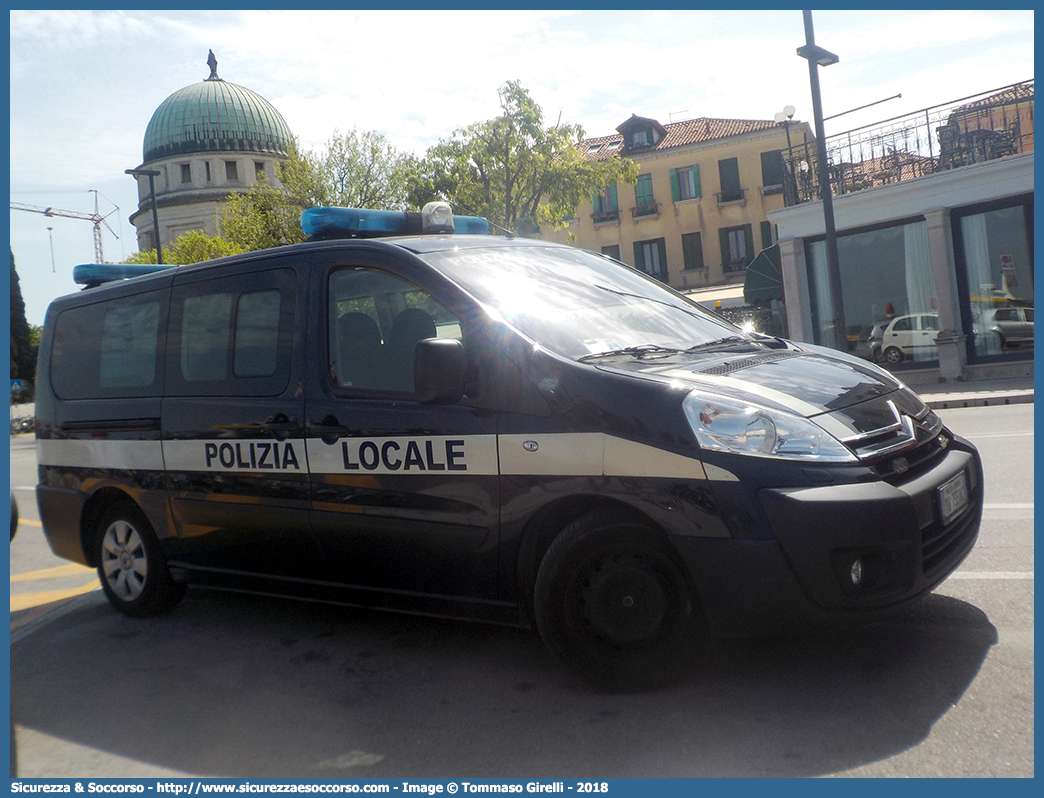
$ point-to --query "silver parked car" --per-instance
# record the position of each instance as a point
(1010, 326)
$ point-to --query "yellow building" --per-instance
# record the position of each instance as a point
(697, 215)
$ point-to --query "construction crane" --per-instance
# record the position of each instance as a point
(95, 217)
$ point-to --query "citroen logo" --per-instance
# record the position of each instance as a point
(901, 465)
(530, 446)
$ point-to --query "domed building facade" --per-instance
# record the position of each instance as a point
(207, 141)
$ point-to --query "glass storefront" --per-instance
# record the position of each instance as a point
(891, 308)
(995, 257)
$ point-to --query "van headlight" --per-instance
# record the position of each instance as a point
(730, 425)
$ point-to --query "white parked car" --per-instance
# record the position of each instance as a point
(905, 337)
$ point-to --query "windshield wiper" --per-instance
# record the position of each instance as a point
(726, 342)
(639, 352)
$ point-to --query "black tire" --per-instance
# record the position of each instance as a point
(999, 340)
(131, 565)
(893, 355)
(613, 605)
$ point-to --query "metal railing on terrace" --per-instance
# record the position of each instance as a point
(977, 128)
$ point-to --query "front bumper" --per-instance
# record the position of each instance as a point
(894, 529)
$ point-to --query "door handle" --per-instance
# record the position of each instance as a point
(280, 426)
(330, 429)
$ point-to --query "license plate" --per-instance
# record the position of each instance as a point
(953, 497)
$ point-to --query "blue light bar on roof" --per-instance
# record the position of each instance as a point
(366, 223)
(97, 273)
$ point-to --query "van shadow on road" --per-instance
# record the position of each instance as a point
(242, 686)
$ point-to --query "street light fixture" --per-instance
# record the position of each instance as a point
(813, 52)
(152, 174)
(818, 57)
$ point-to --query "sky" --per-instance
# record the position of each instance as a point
(84, 85)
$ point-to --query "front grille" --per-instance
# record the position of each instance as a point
(942, 547)
(916, 461)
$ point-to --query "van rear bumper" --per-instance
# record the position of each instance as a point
(60, 512)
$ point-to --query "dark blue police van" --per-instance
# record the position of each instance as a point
(484, 427)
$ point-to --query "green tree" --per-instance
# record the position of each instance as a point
(515, 171)
(355, 170)
(23, 352)
(262, 218)
(194, 246)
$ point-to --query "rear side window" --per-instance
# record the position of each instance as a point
(205, 338)
(109, 349)
(232, 336)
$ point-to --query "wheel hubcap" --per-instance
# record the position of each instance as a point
(124, 562)
(622, 600)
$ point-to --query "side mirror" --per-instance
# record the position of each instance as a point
(438, 371)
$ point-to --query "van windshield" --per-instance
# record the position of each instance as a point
(580, 304)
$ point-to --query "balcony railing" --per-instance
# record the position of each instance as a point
(605, 217)
(727, 197)
(978, 128)
(649, 209)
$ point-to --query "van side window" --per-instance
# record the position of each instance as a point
(205, 331)
(205, 336)
(128, 347)
(375, 323)
(257, 334)
(108, 350)
(233, 335)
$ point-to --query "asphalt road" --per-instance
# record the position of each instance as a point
(245, 686)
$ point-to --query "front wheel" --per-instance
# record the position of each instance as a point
(131, 566)
(613, 605)
(894, 355)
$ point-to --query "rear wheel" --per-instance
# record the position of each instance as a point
(131, 566)
(613, 605)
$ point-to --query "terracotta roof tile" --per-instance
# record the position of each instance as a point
(1018, 93)
(679, 134)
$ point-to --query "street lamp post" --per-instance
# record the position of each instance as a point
(783, 117)
(151, 174)
(817, 57)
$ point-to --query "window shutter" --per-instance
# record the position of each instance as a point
(772, 168)
(596, 203)
(723, 236)
(675, 192)
(748, 233)
(728, 172)
(661, 246)
(766, 235)
(696, 181)
(613, 204)
(639, 258)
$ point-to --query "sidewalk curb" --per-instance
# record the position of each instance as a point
(991, 399)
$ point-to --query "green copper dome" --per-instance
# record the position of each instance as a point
(215, 115)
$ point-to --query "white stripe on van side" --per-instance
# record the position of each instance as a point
(561, 454)
(124, 455)
(591, 454)
(578, 454)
